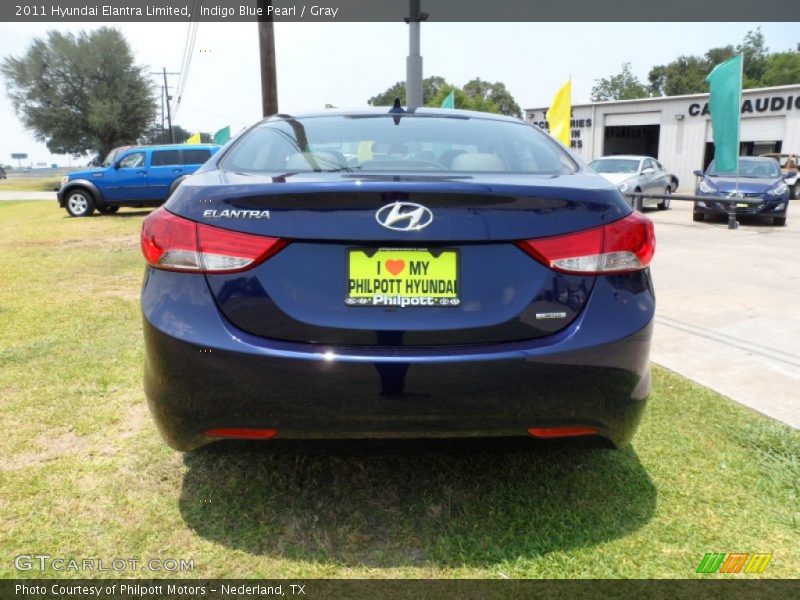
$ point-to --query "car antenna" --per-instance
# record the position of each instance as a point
(397, 110)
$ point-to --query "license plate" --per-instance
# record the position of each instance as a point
(400, 277)
(742, 205)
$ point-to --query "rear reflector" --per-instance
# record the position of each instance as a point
(176, 244)
(624, 245)
(243, 433)
(561, 432)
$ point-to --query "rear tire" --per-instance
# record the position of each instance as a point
(107, 209)
(664, 204)
(780, 221)
(80, 203)
(698, 217)
(637, 200)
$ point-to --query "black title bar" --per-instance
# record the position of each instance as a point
(55, 11)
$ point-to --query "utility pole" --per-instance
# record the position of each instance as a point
(414, 60)
(169, 113)
(165, 98)
(163, 93)
(269, 84)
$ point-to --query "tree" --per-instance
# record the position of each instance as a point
(782, 68)
(684, 75)
(624, 86)
(463, 100)
(430, 88)
(476, 95)
(80, 93)
(754, 53)
(494, 93)
(687, 74)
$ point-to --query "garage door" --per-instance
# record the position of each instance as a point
(764, 129)
(642, 118)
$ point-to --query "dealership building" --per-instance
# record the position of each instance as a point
(677, 129)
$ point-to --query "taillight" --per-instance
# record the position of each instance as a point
(624, 245)
(176, 244)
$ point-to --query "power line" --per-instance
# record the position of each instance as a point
(191, 38)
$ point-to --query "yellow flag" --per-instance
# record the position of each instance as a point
(195, 139)
(560, 112)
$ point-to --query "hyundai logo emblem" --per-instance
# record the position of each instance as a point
(404, 216)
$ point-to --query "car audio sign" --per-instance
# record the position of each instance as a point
(766, 104)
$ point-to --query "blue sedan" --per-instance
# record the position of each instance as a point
(759, 189)
(396, 274)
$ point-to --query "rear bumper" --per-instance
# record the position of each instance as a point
(202, 373)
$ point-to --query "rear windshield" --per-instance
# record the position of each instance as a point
(615, 165)
(751, 169)
(388, 144)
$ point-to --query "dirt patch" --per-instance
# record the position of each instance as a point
(133, 420)
(126, 241)
(51, 448)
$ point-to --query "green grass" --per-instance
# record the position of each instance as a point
(30, 184)
(84, 472)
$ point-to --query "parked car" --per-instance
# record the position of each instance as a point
(131, 176)
(3, 174)
(789, 163)
(760, 185)
(498, 287)
(637, 175)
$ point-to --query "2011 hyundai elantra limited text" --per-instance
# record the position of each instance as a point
(396, 274)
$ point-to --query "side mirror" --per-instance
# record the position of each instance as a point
(117, 164)
(698, 173)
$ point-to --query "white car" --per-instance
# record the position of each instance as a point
(637, 175)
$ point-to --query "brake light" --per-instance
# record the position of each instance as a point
(624, 245)
(176, 244)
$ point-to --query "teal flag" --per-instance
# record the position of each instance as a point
(725, 83)
(450, 101)
(222, 136)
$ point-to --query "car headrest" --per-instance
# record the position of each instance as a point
(477, 161)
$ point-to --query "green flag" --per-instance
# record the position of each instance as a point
(450, 101)
(222, 136)
(725, 83)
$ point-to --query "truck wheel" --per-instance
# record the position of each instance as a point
(79, 203)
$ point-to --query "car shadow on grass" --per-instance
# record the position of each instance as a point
(398, 504)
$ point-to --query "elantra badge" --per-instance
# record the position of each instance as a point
(232, 213)
(404, 216)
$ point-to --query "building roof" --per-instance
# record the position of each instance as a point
(777, 88)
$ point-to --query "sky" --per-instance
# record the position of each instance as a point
(344, 64)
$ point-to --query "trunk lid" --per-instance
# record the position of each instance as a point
(301, 293)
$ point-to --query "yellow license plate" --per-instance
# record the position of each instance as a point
(402, 277)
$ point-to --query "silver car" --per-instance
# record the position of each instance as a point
(637, 174)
